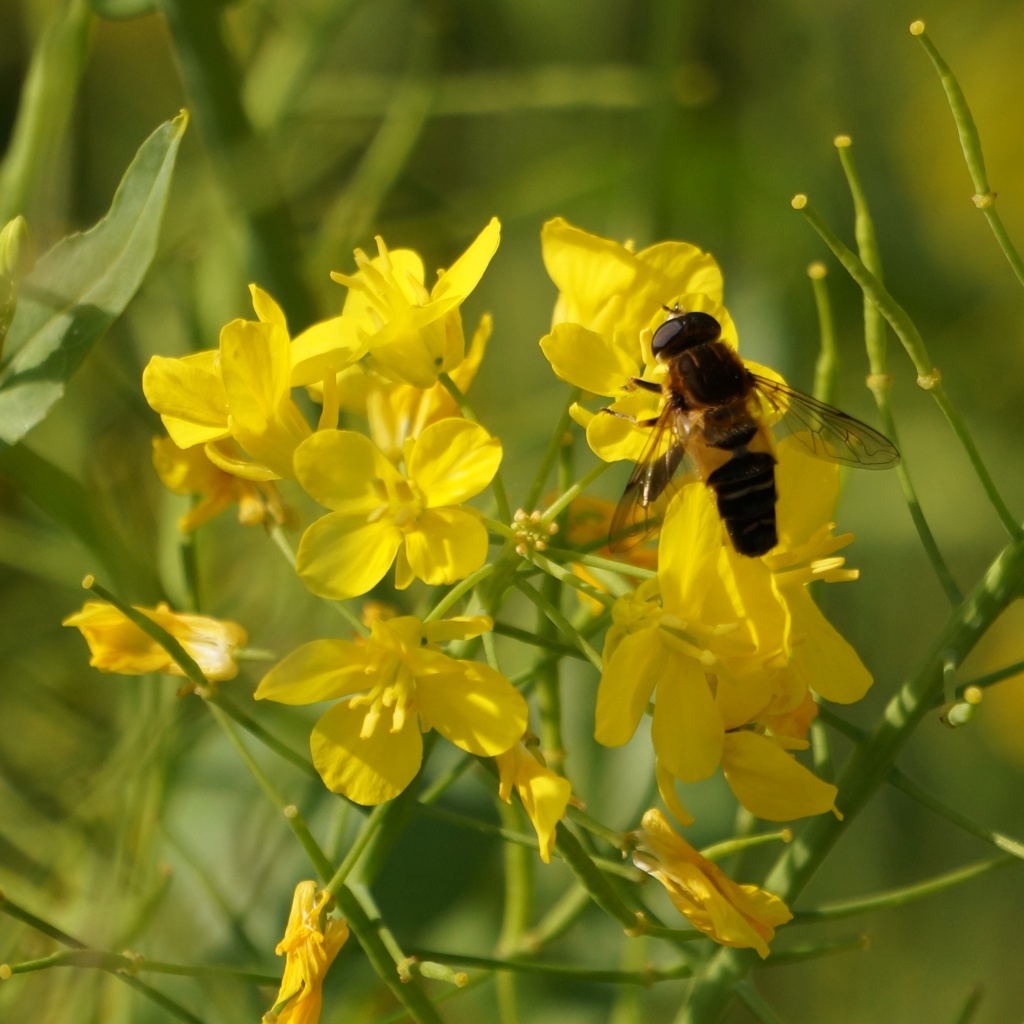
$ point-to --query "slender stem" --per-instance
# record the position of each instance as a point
(244, 167)
(367, 932)
(366, 833)
(556, 443)
(257, 731)
(906, 894)
(879, 382)
(174, 1009)
(573, 492)
(650, 976)
(127, 963)
(567, 629)
(826, 368)
(47, 100)
(928, 376)
(970, 142)
(296, 822)
(458, 592)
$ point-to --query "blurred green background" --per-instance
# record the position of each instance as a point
(126, 819)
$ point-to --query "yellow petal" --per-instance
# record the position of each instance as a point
(338, 468)
(267, 310)
(808, 490)
(320, 670)
(830, 666)
(588, 360)
(769, 782)
(342, 556)
(366, 770)
(189, 395)
(686, 729)
(453, 460)
(445, 545)
(465, 273)
(618, 435)
(333, 344)
(474, 707)
(630, 675)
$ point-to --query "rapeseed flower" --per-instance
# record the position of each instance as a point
(236, 400)
(390, 689)
(412, 334)
(311, 942)
(544, 794)
(118, 645)
(380, 514)
(742, 916)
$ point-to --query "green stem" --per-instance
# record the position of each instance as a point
(567, 629)
(928, 376)
(367, 933)
(879, 382)
(243, 165)
(593, 880)
(869, 766)
(47, 100)
(296, 822)
(970, 142)
(458, 592)
(257, 731)
(366, 833)
(19, 913)
(826, 368)
(129, 964)
(906, 894)
(571, 493)
(556, 443)
(649, 976)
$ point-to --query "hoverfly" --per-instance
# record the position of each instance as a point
(715, 415)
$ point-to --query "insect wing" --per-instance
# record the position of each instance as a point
(824, 431)
(661, 457)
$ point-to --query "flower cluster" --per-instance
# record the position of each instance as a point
(728, 653)
(732, 649)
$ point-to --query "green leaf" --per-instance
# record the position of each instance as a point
(118, 10)
(80, 287)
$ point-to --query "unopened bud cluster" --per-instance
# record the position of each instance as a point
(532, 533)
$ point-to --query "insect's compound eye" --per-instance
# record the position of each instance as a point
(681, 332)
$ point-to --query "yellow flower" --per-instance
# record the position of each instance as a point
(731, 650)
(189, 471)
(610, 300)
(413, 334)
(742, 916)
(390, 690)
(239, 396)
(310, 944)
(380, 513)
(544, 794)
(118, 645)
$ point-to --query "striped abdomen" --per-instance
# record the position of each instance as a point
(710, 383)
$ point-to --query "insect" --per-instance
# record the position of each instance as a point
(716, 415)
